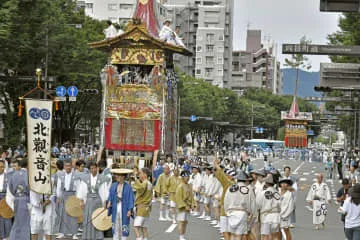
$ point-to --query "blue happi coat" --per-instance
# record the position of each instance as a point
(127, 204)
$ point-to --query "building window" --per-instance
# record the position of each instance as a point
(220, 60)
(208, 72)
(220, 49)
(210, 38)
(124, 6)
(198, 37)
(220, 72)
(199, 60)
(112, 6)
(210, 60)
(198, 71)
(89, 5)
(221, 37)
(209, 48)
(198, 48)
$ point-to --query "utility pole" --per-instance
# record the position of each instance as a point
(252, 121)
(178, 120)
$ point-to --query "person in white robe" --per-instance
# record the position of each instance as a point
(258, 187)
(213, 193)
(268, 201)
(178, 39)
(110, 31)
(166, 33)
(287, 206)
(293, 189)
(195, 180)
(319, 196)
(93, 191)
(41, 220)
(207, 199)
(239, 206)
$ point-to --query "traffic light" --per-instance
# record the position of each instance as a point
(91, 91)
(322, 89)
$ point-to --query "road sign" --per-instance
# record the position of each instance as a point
(61, 91)
(72, 91)
(72, 99)
(312, 49)
(339, 6)
(310, 132)
(192, 118)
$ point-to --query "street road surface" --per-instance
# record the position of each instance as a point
(306, 174)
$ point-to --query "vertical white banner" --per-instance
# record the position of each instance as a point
(38, 122)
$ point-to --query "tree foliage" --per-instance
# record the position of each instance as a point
(205, 100)
(46, 34)
(348, 34)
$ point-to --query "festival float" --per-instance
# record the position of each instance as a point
(139, 110)
(296, 124)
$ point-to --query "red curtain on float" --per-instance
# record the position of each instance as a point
(132, 135)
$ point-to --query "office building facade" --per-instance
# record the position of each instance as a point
(257, 66)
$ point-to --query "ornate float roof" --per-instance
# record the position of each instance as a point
(137, 36)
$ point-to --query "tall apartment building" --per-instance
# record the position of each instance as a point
(206, 27)
(115, 10)
(257, 66)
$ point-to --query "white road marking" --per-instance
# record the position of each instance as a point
(171, 228)
(309, 208)
(302, 179)
(306, 173)
(297, 169)
(314, 179)
(312, 171)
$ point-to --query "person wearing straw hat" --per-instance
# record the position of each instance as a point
(318, 196)
(5, 223)
(67, 183)
(184, 202)
(93, 191)
(226, 179)
(171, 184)
(143, 188)
(239, 206)
(17, 197)
(269, 203)
(120, 204)
(162, 191)
(287, 206)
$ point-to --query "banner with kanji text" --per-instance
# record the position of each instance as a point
(38, 123)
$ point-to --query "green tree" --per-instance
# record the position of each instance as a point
(348, 34)
(298, 61)
(45, 34)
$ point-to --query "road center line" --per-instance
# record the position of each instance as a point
(297, 169)
(171, 228)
